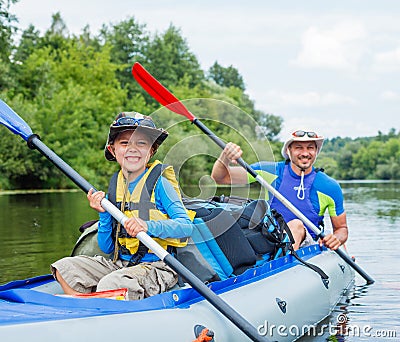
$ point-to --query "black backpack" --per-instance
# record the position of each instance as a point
(264, 229)
(244, 229)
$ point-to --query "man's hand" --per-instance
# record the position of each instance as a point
(330, 241)
(231, 153)
(340, 233)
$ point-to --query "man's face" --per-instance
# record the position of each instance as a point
(303, 154)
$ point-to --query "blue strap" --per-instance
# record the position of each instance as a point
(210, 250)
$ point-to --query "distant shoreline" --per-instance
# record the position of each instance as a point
(36, 191)
(43, 191)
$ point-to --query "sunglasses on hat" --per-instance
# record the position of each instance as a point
(129, 121)
(300, 134)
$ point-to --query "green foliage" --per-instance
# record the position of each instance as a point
(7, 29)
(5, 76)
(30, 40)
(270, 126)
(72, 94)
(69, 88)
(128, 40)
(226, 77)
(329, 165)
(363, 158)
(169, 59)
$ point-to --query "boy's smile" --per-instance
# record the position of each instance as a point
(132, 150)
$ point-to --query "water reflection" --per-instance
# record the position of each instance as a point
(369, 312)
(39, 228)
(383, 198)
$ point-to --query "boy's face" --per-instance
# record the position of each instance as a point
(132, 150)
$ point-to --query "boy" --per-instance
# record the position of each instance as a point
(153, 204)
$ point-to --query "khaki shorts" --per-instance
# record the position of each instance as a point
(88, 274)
(308, 240)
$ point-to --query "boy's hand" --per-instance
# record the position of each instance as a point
(95, 200)
(135, 225)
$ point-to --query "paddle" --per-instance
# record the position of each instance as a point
(167, 99)
(17, 125)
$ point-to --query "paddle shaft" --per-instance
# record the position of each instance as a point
(284, 201)
(166, 98)
(197, 284)
(34, 142)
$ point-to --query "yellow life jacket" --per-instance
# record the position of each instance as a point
(141, 203)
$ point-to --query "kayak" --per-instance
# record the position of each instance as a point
(281, 298)
(280, 293)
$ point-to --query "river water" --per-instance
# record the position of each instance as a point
(371, 313)
(38, 228)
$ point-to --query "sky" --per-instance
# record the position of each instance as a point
(331, 67)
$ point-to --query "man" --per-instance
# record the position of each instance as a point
(310, 190)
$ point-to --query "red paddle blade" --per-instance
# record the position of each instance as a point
(156, 90)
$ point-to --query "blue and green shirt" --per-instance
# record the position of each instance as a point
(322, 193)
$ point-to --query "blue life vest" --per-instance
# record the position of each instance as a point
(289, 189)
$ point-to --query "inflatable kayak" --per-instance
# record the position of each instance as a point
(277, 293)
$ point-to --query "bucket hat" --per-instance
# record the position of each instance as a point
(302, 135)
(126, 121)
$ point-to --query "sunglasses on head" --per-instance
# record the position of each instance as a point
(299, 134)
(129, 121)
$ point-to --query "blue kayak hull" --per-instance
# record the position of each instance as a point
(281, 293)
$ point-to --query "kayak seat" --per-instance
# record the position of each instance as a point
(231, 240)
(218, 248)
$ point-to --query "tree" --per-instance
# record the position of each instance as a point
(270, 126)
(72, 94)
(226, 77)
(127, 40)
(6, 30)
(344, 162)
(68, 88)
(384, 137)
(169, 58)
(30, 40)
(57, 34)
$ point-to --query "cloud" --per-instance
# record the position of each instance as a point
(390, 95)
(340, 47)
(343, 127)
(388, 61)
(308, 99)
